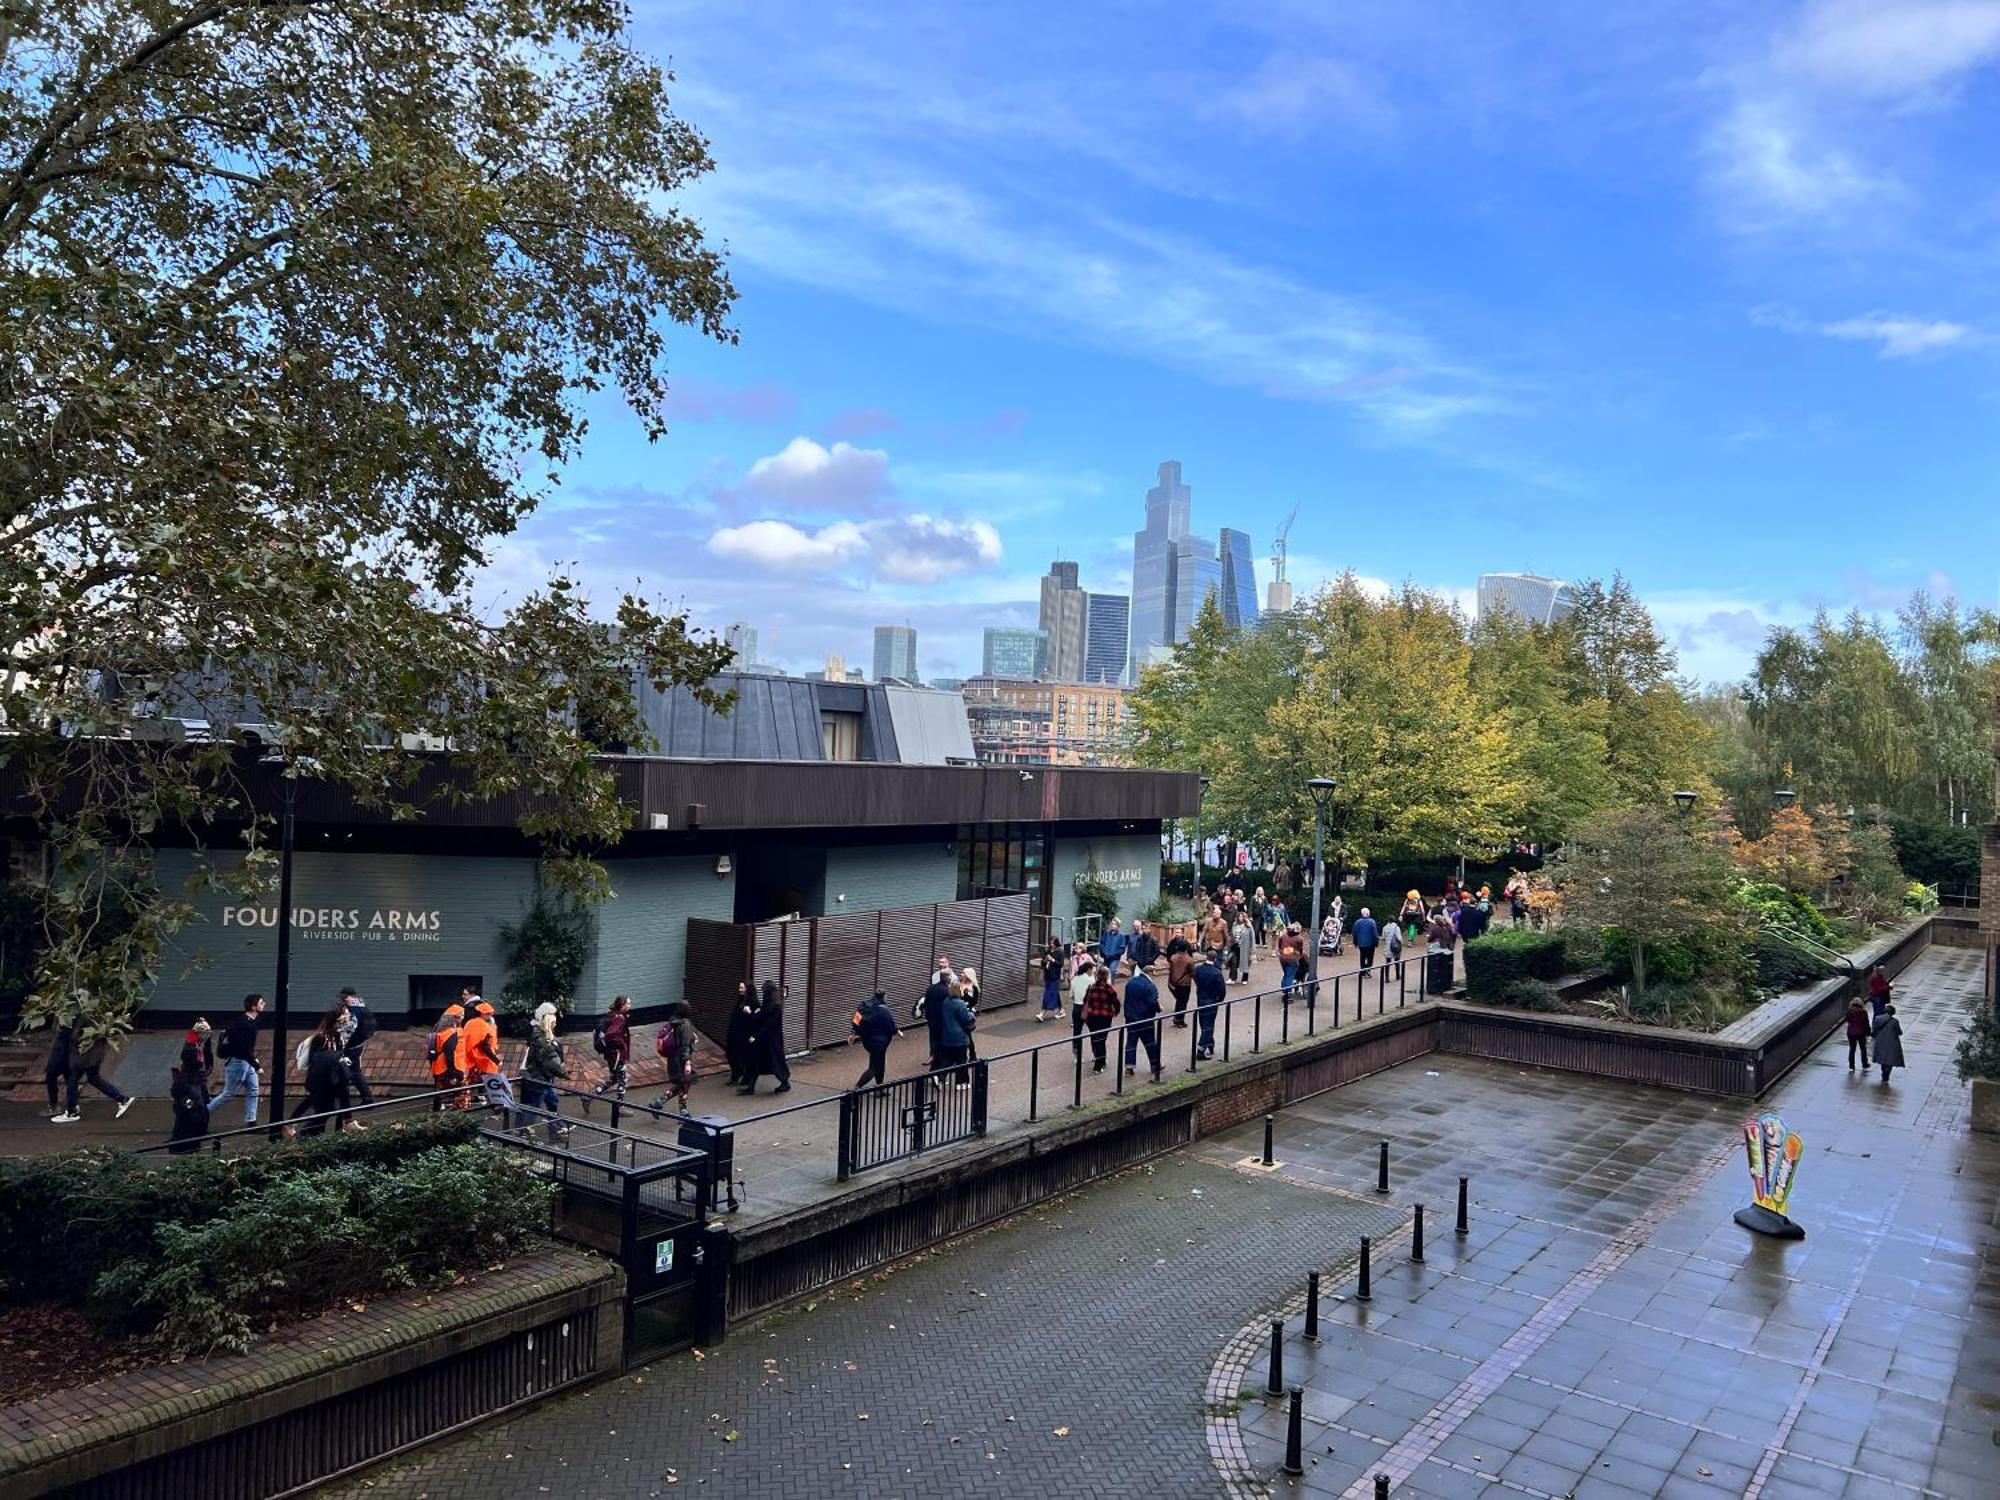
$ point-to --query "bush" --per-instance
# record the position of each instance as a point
(67, 1218)
(1919, 898)
(547, 952)
(1532, 994)
(1782, 967)
(1937, 852)
(1689, 1007)
(1772, 905)
(1495, 961)
(1166, 911)
(1094, 895)
(1978, 1053)
(1716, 957)
(308, 1239)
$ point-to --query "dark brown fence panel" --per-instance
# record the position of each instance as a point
(909, 947)
(718, 956)
(843, 973)
(796, 977)
(961, 935)
(1004, 965)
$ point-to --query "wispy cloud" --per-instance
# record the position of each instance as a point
(1891, 48)
(1295, 95)
(1895, 335)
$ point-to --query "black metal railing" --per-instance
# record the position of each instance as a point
(893, 1121)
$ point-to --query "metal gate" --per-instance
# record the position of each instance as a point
(888, 1122)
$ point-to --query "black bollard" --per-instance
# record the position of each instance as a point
(1382, 1170)
(1270, 1122)
(1362, 1293)
(1381, 1487)
(1274, 1383)
(1464, 1225)
(1417, 1237)
(1312, 1304)
(1295, 1455)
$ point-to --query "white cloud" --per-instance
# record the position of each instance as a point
(804, 473)
(1892, 48)
(928, 549)
(1772, 167)
(1896, 335)
(785, 548)
(1293, 94)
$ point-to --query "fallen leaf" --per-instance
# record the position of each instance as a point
(731, 1436)
(1062, 1432)
(1705, 1472)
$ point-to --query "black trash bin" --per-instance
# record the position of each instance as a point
(711, 1133)
(1437, 971)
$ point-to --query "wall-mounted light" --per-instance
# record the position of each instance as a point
(722, 867)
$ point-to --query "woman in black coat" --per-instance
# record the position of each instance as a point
(768, 1052)
(741, 1037)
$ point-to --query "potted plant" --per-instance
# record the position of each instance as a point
(1978, 1063)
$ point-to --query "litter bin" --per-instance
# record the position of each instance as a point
(711, 1133)
(1437, 971)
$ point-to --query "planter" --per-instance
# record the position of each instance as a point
(1986, 1105)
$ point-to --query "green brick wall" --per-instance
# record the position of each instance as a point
(642, 929)
(890, 875)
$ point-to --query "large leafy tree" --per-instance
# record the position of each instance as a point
(1560, 737)
(1638, 870)
(304, 303)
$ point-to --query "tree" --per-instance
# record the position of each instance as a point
(1791, 854)
(1637, 870)
(1516, 670)
(306, 298)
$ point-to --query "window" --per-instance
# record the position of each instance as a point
(840, 735)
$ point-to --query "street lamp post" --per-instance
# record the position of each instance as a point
(1321, 788)
(1784, 798)
(282, 992)
(1684, 803)
(1194, 893)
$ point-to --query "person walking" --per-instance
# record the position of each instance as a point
(1111, 947)
(1888, 1033)
(56, 1070)
(355, 1032)
(1260, 912)
(1393, 935)
(1180, 977)
(484, 1068)
(325, 1074)
(1215, 930)
(1100, 1008)
(444, 1053)
(875, 1028)
(241, 1069)
(955, 1033)
(1516, 892)
(1878, 990)
(1142, 1022)
(545, 1064)
(189, 1090)
(1367, 934)
(1411, 917)
(1142, 949)
(1210, 991)
(1858, 1030)
(675, 1043)
(930, 1010)
(613, 1042)
(741, 1034)
(1291, 956)
(771, 1039)
(1052, 977)
(85, 1064)
(1281, 881)
(1242, 946)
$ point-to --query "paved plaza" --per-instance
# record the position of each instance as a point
(1604, 1330)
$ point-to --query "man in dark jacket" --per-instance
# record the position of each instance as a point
(1142, 1022)
(740, 1041)
(84, 1065)
(875, 1028)
(1144, 948)
(1367, 933)
(1111, 947)
(240, 1064)
(1209, 989)
(931, 1010)
(355, 1034)
(768, 1056)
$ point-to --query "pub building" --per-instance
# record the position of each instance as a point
(833, 836)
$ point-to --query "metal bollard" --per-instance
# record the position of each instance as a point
(1274, 1383)
(1269, 1122)
(1381, 1487)
(1464, 1225)
(1382, 1170)
(1295, 1457)
(1417, 1237)
(1312, 1304)
(1362, 1294)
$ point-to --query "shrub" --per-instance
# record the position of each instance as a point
(1934, 852)
(1780, 966)
(1773, 905)
(66, 1218)
(308, 1239)
(1095, 895)
(1717, 956)
(1978, 1053)
(1165, 910)
(1919, 898)
(1506, 954)
(1532, 994)
(547, 953)
(1689, 1007)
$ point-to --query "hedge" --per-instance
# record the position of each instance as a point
(1497, 960)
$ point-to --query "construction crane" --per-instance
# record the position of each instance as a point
(1278, 596)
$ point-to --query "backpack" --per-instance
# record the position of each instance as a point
(444, 1044)
(664, 1042)
(301, 1054)
(597, 1040)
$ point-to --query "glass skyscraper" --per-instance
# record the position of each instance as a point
(1012, 653)
(1107, 626)
(1062, 617)
(1239, 581)
(1153, 565)
(1527, 596)
(1197, 574)
(895, 653)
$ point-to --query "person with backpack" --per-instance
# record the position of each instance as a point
(241, 1068)
(675, 1043)
(85, 1065)
(612, 1041)
(444, 1059)
(1142, 1022)
(355, 1032)
(874, 1027)
(545, 1064)
(483, 1065)
(740, 1039)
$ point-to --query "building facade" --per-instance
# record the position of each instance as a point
(1239, 581)
(1009, 652)
(1154, 566)
(1064, 605)
(1048, 723)
(1527, 596)
(742, 639)
(1106, 637)
(895, 653)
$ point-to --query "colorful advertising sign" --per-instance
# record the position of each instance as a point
(1773, 1153)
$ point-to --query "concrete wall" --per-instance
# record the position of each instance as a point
(1129, 862)
(369, 920)
(642, 929)
(889, 875)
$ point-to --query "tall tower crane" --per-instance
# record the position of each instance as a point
(1278, 596)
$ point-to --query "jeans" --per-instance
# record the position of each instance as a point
(238, 1077)
(1852, 1043)
(356, 1077)
(111, 1090)
(1204, 1016)
(1146, 1034)
(541, 1098)
(1288, 975)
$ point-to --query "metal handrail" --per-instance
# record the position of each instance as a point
(273, 1129)
(1812, 948)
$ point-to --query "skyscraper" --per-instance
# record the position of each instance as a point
(1153, 565)
(1528, 596)
(1239, 581)
(1062, 622)
(742, 639)
(895, 653)
(1197, 574)
(1012, 653)
(1107, 624)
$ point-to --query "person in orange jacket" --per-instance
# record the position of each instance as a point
(446, 1049)
(480, 1050)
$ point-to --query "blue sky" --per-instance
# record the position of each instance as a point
(1700, 292)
